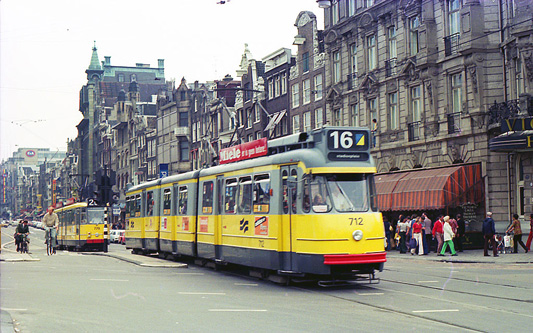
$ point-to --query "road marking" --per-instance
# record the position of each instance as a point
(429, 311)
(429, 281)
(193, 293)
(246, 284)
(9, 309)
(113, 280)
(237, 310)
(370, 294)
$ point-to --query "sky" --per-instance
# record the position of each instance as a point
(46, 46)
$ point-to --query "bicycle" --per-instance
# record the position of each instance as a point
(49, 243)
(23, 244)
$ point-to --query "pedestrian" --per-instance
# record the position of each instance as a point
(528, 243)
(517, 238)
(488, 234)
(448, 236)
(374, 131)
(460, 232)
(387, 227)
(403, 228)
(417, 236)
(437, 233)
(427, 233)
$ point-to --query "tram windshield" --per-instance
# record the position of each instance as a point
(95, 215)
(345, 192)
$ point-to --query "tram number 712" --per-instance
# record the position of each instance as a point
(347, 140)
(356, 220)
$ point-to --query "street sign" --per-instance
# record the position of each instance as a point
(163, 170)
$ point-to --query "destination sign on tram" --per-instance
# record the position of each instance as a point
(348, 145)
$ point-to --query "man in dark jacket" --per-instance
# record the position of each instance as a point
(488, 233)
(22, 229)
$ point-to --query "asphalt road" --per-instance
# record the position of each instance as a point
(76, 292)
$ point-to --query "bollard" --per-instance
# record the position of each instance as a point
(106, 235)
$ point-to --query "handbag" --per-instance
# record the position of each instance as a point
(412, 243)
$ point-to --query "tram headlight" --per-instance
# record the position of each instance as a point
(88, 235)
(357, 235)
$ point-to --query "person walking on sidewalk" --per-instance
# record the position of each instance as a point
(417, 235)
(528, 243)
(403, 227)
(448, 237)
(460, 232)
(488, 234)
(437, 233)
(426, 233)
(517, 238)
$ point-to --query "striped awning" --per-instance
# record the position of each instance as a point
(429, 188)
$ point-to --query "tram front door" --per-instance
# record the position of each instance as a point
(289, 186)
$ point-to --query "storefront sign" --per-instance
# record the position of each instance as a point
(517, 124)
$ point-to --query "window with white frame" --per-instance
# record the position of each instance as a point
(454, 16)
(372, 111)
(249, 117)
(258, 135)
(351, 7)
(368, 3)
(519, 77)
(416, 103)
(270, 88)
(457, 93)
(296, 124)
(276, 86)
(337, 117)
(372, 52)
(307, 121)
(414, 23)
(257, 113)
(283, 82)
(393, 111)
(306, 91)
(318, 87)
(319, 120)
(354, 115)
(353, 65)
(295, 95)
(334, 12)
(336, 66)
(393, 51)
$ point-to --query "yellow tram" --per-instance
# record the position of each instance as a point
(81, 227)
(302, 205)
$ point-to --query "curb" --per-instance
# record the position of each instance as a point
(138, 262)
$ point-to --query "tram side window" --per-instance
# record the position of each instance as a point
(321, 201)
(167, 201)
(150, 203)
(127, 206)
(182, 200)
(285, 192)
(83, 219)
(245, 195)
(261, 193)
(294, 190)
(306, 204)
(138, 205)
(207, 198)
(373, 195)
(230, 196)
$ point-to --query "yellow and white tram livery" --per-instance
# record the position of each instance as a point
(302, 205)
(81, 227)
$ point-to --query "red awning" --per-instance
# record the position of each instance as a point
(430, 188)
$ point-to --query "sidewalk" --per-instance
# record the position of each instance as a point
(469, 256)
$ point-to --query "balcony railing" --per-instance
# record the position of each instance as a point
(391, 67)
(454, 122)
(413, 131)
(451, 44)
(352, 81)
(504, 110)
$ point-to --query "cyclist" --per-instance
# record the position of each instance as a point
(51, 224)
(22, 229)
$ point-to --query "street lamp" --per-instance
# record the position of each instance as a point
(324, 3)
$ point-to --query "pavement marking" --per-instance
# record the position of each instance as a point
(237, 310)
(430, 311)
(113, 280)
(246, 284)
(193, 293)
(10, 309)
(369, 294)
(429, 281)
